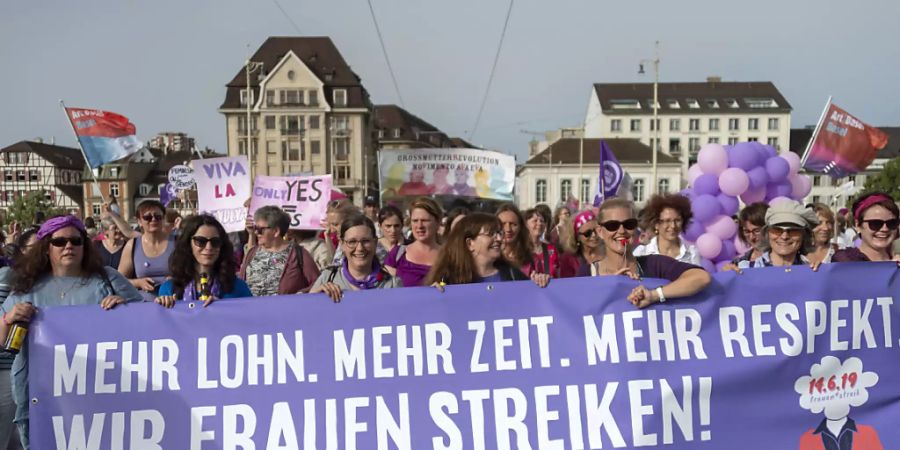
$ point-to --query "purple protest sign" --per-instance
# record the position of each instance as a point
(772, 358)
(305, 199)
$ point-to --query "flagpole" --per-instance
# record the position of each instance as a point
(815, 132)
(602, 176)
(62, 105)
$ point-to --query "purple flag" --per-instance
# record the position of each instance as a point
(611, 174)
(167, 194)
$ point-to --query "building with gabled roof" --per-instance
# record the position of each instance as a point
(56, 170)
(400, 129)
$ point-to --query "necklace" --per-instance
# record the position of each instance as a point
(63, 292)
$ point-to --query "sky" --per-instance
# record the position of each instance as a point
(164, 63)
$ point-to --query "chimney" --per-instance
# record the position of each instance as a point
(39, 140)
(713, 79)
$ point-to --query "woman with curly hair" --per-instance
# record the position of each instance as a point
(203, 248)
(667, 215)
(516, 245)
(61, 268)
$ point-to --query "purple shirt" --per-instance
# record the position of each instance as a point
(849, 255)
(410, 273)
(652, 266)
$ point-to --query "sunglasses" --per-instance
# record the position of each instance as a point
(791, 231)
(61, 241)
(152, 217)
(878, 224)
(261, 230)
(613, 225)
(588, 234)
(201, 241)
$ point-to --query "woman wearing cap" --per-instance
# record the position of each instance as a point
(516, 248)
(823, 234)
(876, 218)
(617, 226)
(581, 245)
(473, 254)
(544, 256)
(276, 266)
(359, 270)
(667, 215)
(202, 265)
(412, 262)
(60, 269)
(786, 235)
(145, 259)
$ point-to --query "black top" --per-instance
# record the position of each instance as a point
(109, 259)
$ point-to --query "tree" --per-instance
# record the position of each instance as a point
(24, 209)
(888, 180)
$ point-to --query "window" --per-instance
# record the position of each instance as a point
(7, 175)
(114, 172)
(95, 208)
(244, 97)
(342, 149)
(270, 122)
(144, 189)
(663, 186)
(615, 125)
(315, 147)
(752, 139)
(732, 140)
(753, 124)
(340, 123)
(291, 125)
(674, 124)
(271, 148)
(34, 175)
(693, 103)
(625, 104)
(732, 103)
(817, 180)
(20, 175)
(654, 124)
(675, 145)
(270, 97)
(242, 124)
(635, 124)
(637, 190)
(291, 97)
(585, 191)
(540, 191)
(815, 199)
(673, 104)
(694, 144)
(397, 132)
(340, 97)
(314, 122)
(713, 140)
(290, 150)
(852, 178)
(113, 189)
(242, 147)
(712, 103)
(565, 190)
(773, 123)
(773, 141)
(313, 98)
(694, 124)
(343, 173)
(713, 124)
(757, 103)
(734, 124)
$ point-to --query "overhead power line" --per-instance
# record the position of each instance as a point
(287, 16)
(384, 51)
(493, 69)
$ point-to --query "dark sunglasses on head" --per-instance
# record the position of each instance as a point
(613, 225)
(201, 241)
(877, 224)
(152, 217)
(62, 241)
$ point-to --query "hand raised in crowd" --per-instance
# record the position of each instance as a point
(642, 297)
(540, 279)
(439, 285)
(166, 301)
(14, 232)
(628, 272)
(22, 312)
(144, 284)
(111, 302)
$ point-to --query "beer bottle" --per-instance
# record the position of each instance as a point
(15, 338)
(205, 293)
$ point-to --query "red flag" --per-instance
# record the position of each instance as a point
(843, 145)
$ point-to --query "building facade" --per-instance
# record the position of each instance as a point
(572, 166)
(397, 128)
(28, 166)
(309, 113)
(172, 141)
(690, 115)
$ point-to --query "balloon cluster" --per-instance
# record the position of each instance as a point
(749, 171)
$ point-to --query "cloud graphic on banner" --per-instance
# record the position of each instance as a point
(833, 387)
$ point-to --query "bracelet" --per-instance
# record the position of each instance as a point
(4, 319)
(659, 293)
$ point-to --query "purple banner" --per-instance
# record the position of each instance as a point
(772, 358)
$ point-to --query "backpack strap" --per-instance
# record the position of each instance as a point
(333, 274)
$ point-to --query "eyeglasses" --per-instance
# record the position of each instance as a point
(667, 222)
(353, 243)
(753, 232)
(878, 224)
(201, 241)
(613, 225)
(588, 234)
(492, 234)
(791, 231)
(62, 241)
(152, 217)
(260, 230)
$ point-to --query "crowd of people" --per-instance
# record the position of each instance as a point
(168, 259)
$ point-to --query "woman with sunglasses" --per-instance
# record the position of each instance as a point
(276, 265)
(412, 262)
(876, 218)
(202, 265)
(617, 227)
(59, 269)
(581, 246)
(516, 248)
(544, 256)
(359, 270)
(145, 259)
(786, 236)
(473, 254)
(667, 215)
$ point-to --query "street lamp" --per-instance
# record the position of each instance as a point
(251, 67)
(655, 124)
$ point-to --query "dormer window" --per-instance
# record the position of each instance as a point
(693, 103)
(731, 103)
(712, 103)
(397, 132)
(757, 103)
(340, 97)
(673, 104)
(625, 104)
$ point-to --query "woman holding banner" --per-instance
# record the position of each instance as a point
(876, 218)
(145, 259)
(751, 221)
(581, 244)
(516, 246)
(276, 265)
(544, 256)
(788, 233)
(60, 269)
(359, 270)
(390, 221)
(617, 226)
(473, 254)
(202, 265)
(412, 262)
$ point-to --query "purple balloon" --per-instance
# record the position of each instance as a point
(694, 172)
(709, 246)
(694, 230)
(771, 151)
(743, 156)
(722, 227)
(758, 177)
(734, 181)
(728, 203)
(708, 265)
(707, 184)
(728, 251)
(777, 168)
(780, 189)
(753, 196)
(705, 207)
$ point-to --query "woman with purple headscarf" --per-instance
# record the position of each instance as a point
(60, 269)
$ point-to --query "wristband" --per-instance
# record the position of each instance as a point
(659, 293)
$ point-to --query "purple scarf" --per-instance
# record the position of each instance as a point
(190, 292)
(369, 282)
